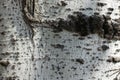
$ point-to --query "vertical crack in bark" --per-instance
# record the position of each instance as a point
(28, 18)
(33, 7)
(29, 11)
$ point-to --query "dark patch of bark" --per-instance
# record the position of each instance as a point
(63, 3)
(101, 4)
(113, 59)
(81, 61)
(4, 63)
(104, 47)
(102, 25)
(58, 46)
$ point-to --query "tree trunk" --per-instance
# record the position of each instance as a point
(59, 39)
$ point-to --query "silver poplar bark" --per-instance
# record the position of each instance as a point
(31, 50)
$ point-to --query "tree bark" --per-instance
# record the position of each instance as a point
(59, 40)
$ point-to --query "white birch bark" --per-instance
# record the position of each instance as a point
(38, 53)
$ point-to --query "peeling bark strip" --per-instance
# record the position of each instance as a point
(28, 7)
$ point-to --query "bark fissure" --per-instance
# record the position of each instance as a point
(28, 16)
(29, 11)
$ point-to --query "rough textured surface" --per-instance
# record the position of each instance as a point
(56, 56)
(84, 25)
(102, 24)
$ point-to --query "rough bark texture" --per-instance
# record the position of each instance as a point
(85, 25)
(59, 40)
(78, 22)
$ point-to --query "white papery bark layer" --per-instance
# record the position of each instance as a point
(56, 56)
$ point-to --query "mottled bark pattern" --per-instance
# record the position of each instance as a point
(80, 23)
(84, 25)
(58, 40)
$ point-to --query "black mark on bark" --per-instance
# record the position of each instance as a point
(82, 24)
(81, 61)
(113, 59)
(4, 63)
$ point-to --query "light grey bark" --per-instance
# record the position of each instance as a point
(30, 49)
